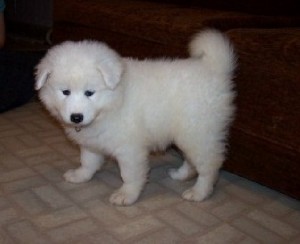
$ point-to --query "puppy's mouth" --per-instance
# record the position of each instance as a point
(78, 121)
(78, 128)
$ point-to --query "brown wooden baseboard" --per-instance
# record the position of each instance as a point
(269, 164)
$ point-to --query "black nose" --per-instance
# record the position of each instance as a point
(76, 118)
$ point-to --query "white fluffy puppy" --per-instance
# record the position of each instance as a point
(125, 108)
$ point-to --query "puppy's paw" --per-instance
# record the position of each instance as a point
(193, 195)
(123, 198)
(78, 175)
(175, 174)
(181, 175)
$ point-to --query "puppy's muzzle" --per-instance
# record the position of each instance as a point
(76, 118)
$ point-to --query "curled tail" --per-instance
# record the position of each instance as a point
(215, 49)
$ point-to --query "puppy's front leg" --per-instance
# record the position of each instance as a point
(134, 169)
(90, 163)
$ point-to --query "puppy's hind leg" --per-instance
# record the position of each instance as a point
(90, 163)
(202, 188)
(204, 156)
(208, 169)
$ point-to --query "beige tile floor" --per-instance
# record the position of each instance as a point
(37, 206)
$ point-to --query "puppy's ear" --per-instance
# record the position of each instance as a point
(41, 78)
(111, 71)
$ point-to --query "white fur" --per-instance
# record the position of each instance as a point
(138, 106)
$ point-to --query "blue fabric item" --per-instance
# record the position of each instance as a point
(2, 5)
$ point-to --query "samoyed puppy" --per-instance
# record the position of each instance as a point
(123, 107)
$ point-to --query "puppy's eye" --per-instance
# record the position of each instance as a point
(66, 92)
(89, 93)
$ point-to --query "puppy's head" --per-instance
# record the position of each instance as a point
(77, 80)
